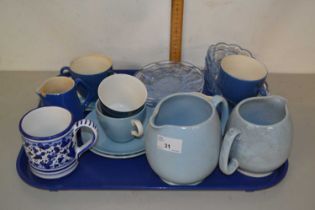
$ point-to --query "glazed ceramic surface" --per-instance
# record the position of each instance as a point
(122, 95)
(106, 147)
(49, 140)
(215, 54)
(241, 77)
(182, 139)
(62, 91)
(90, 70)
(258, 138)
(121, 129)
(165, 77)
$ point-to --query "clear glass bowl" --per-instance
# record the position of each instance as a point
(165, 77)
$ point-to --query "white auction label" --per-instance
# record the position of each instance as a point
(169, 144)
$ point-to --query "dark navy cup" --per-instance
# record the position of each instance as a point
(122, 96)
(90, 70)
(241, 77)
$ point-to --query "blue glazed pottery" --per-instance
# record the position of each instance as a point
(106, 147)
(91, 70)
(49, 141)
(121, 96)
(62, 91)
(183, 137)
(259, 137)
(121, 129)
(215, 54)
(241, 77)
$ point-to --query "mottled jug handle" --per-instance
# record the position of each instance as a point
(226, 166)
(219, 100)
(88, 144)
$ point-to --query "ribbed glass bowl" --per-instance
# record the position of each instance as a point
(166, 77)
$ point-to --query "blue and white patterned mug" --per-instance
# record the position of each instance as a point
(50, 143)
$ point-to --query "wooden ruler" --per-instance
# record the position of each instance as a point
(176, 30)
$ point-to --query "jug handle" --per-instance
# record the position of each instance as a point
(226, 166)
(88, 98)
(216, 101)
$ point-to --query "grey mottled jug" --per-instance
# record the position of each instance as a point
(258, 138)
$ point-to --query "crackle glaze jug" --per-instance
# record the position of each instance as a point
(258, 138)
(183, 137)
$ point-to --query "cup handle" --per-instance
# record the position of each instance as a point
(65, 71)
(264, 89)
(87, 145)
(138, 132)
(88, 98)
(226, 166)
(219, 100)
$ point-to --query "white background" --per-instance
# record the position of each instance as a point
(45, 35)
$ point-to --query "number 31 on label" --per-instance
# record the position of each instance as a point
(169, 144)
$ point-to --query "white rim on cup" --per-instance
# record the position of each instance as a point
(91, 64)
(122, 93)
(243, 67)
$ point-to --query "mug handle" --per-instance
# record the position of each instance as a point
(88, 98)
(226, 166)
(219, 100)
(264, 89)
(138, 132)
(77, 126)
(65, 71)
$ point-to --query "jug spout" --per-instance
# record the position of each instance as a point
(280, 101)
(41, 91)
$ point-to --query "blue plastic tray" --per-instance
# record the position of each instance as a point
(99, 173)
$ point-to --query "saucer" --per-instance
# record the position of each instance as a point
(108, 148)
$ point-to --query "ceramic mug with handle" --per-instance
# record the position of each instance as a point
(50, 143)
(90, 70)
(241, 77)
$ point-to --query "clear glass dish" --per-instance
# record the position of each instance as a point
(165, 77)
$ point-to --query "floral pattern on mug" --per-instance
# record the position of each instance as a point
(51, 155)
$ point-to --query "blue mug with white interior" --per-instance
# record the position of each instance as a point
(62, 91)
(90, 70)
(241, 77)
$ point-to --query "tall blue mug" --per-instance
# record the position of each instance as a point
(90, 70)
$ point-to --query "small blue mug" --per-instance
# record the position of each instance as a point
(50, 142)
(62, 91)
(241, 77)
(90, 69)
